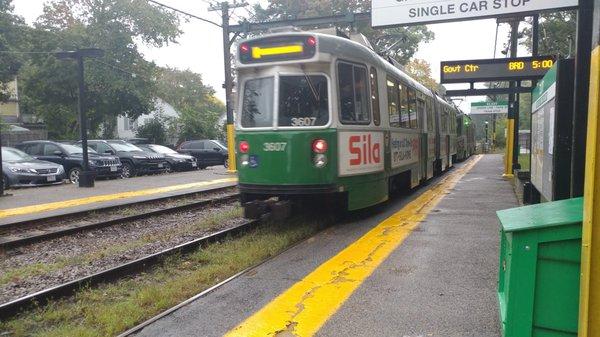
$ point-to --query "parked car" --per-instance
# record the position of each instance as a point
(207, 152)
(20, 169)
(71, 158)
(175, 161)
(135, 161)
(138, 141)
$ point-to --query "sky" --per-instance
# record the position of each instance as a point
(199, 48)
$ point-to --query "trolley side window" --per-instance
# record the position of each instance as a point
(404, 117)
(393, 102)
(257, 104)
(303, 100)
(354, 95)
(375, 97)
(430, 114)
(412, 107)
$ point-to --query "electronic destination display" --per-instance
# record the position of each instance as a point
(519, 68)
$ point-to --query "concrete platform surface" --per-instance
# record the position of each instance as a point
(439, 281)
(32, 203)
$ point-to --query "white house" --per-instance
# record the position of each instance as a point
(126, 127)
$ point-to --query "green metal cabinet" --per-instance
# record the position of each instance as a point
(538, 283)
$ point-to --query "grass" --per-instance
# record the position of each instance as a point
(113, 308)
(36, 269)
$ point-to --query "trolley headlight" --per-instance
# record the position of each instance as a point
(244, 160)
(320, 160)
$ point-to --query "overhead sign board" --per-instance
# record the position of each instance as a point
(516, 68)
(410, 12)
(486, 108)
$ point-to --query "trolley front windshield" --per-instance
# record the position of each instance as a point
(303, 101)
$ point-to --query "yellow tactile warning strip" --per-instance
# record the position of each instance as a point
(307, 305)
(107, 197)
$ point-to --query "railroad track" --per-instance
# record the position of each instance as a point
(27, 232)
(12, 308)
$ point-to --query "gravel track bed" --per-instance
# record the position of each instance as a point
(64, 259)
(126, 210)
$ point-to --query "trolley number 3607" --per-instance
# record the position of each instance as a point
(304, 121)
(274, 147)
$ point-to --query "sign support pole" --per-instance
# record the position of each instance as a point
(581, 98)
(589, 300)
(512, 121)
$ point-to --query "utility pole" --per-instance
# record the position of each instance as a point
(86, 177)
(228, 85)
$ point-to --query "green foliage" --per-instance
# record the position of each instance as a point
(557, 33)
(154, 130)
(199, 109)
(13, 36)
(382, 39)
(120, 83)
(525, 111)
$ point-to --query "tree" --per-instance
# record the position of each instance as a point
(199, 109)
(154, 130)
(120, 83)
(400, 43)
(557, 33)
(12, 36)
(420, 70)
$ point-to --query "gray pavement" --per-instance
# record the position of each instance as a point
(440, 282)
(24, 197)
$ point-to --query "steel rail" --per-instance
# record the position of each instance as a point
(205, 292)
(43, 220)
(14, 307)
(39, 235)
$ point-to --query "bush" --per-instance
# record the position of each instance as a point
(154, 130)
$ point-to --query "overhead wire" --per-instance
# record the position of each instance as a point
(185, 13)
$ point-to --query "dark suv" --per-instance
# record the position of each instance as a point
(71, 158)
(207, 152)
(135, 161)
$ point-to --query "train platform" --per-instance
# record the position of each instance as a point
(420, 265)
(32, 203)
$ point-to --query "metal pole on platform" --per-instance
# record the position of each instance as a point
(86, 177)
(585, 17)
(535, 43)
(589, 300)
(512, 110)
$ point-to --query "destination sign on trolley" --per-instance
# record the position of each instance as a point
(387, 13)
(520, 68)
(277, 49)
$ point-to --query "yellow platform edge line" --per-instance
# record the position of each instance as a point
(107, 197)
(302, 309)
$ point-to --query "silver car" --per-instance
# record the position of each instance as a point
(20, 170)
